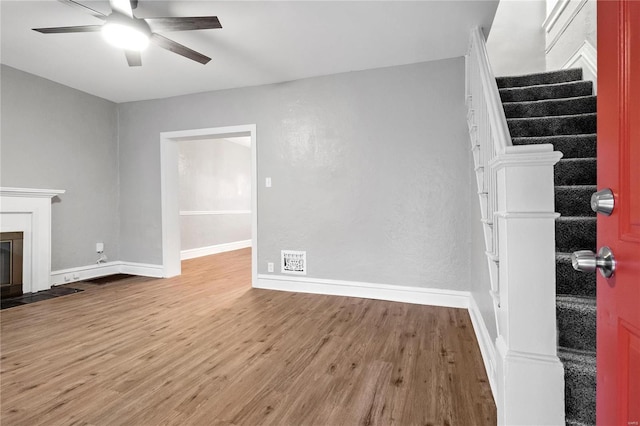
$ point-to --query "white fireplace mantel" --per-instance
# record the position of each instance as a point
(30, 192)
(28, 210)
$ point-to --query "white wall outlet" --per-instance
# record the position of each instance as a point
(267, 182)
(99, 247)
(270, 267)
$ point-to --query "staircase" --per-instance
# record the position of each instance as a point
(559, 108)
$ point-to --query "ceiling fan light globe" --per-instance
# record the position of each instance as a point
(125, 36)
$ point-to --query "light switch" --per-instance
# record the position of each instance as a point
(267, 182)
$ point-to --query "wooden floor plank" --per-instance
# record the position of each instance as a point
(206, 348)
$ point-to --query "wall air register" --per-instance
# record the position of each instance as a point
(293, 262)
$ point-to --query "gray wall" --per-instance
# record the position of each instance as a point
(369, 169)
(55, 137)
(516, 44)
(215, 176)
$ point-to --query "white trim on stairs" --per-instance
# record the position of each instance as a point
(555, 13)
(215, 249)
(585, 57)
(587, 54)
(567, 22)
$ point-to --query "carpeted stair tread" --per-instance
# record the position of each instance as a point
(560, 76)
(576, 318)
(546, 91)
(548, 126)
(571, 146)
(574, 200)
(576, 171)
(572, 282)
(575, 233)
(580, 386)
(551, 107)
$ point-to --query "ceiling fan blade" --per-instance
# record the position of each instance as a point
(84, 8)
(77, 29)
(134, 59)
(183, 24)
(122, 6)
(175, 47)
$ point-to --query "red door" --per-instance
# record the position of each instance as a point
(618, 297)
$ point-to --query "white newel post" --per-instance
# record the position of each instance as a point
(532, 388)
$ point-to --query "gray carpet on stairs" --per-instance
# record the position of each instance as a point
(571, 146)
(547, 91)
(551, 77)
(559, 108)
(551, 107)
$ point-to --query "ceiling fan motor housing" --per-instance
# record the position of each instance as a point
(125, 32)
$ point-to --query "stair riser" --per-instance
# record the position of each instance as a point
(550, 108)
(576, 172)
(580, 393)
(574, 283)
(536, 93)
(575, 146)
(544, 126)
(575, 235)
(577, 326)
(562, 76)
(575, 201)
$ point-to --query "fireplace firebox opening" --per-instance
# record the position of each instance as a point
(11, 251)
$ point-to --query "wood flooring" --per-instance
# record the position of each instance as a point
(207, 349)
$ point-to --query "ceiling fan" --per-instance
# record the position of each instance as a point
(122, 29)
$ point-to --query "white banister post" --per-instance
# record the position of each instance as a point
(531, 375)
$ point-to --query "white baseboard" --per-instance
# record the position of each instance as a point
(81, 273)
(219, 248)
(487, 348)
(65, 276)
(142, 269)
(416, 295)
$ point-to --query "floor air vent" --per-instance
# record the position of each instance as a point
(294, 262)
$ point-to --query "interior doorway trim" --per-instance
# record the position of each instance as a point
(169, 152)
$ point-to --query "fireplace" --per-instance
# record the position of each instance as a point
(28, 211)
(11, 249)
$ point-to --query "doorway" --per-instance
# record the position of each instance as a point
(170, 182)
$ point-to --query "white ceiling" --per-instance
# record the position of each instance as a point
(260, 42)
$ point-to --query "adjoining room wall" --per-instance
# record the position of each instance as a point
(55, 137)
(215, 192)
(369, 170)
(517, 40)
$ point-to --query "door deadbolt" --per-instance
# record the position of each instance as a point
(603, 202)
